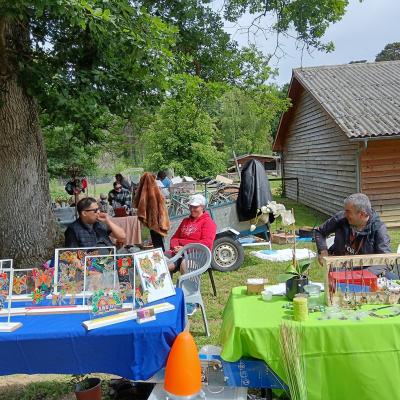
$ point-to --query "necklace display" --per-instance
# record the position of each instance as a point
(395, 311)
(337, 313)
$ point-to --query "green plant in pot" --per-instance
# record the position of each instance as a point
(295, 277)
(86, 387)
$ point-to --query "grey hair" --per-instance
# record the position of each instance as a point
(360, 201)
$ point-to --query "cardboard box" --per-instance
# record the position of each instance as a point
(282, 238)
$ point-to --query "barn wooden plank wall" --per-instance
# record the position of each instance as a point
(320, 155)
(380, 178)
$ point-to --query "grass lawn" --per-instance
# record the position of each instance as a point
(252, 267)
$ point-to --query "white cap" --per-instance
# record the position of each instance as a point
(197, 200)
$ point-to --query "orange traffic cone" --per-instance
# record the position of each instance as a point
(183, 370)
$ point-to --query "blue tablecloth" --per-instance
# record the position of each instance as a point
(60, 344)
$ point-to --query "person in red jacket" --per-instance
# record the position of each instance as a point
(197, 228)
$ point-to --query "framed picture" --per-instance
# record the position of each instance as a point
(104, 301)
(6, 285)
(69, 265)
(125, 267)
(99, 273)
(30, 284)
(154, 274)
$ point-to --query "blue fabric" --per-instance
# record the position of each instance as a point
(166, 182)
(304, 239)
(351, 287)
(60, 344)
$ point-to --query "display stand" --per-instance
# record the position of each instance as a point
(124, 316)
(9, 326)
(349, 284)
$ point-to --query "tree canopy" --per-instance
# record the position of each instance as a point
(306, 20)
(391, 52)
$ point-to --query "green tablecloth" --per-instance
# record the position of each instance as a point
(343, 359)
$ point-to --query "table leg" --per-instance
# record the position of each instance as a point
(212, 281)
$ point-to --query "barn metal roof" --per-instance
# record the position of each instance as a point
(363, 98)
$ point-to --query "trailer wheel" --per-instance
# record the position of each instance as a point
(227, 254)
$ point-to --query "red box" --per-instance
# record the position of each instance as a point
(358, 277)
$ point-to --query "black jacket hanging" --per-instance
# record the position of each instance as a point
(254, 191)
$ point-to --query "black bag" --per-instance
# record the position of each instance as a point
(69, 187)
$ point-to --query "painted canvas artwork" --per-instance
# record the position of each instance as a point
(140, 296)
(69, 268)
(104, 301)
(100, 273)
(4, 283)
(31, 284)
(154, 275)
(125, 266)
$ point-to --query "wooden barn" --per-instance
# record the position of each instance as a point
(271, 163)
(342, 135)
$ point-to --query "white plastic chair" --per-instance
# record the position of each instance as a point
(197, 260)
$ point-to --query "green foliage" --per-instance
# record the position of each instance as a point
(57, 192)
(206, 50)
(295, 271)
(182, 134)
(391, 52)
(308, 18)
(246, 118)
(80, 381)
(51, 390)
(89, 64)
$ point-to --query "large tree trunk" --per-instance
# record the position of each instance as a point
(27, 228)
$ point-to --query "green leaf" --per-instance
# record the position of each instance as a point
(285, 277)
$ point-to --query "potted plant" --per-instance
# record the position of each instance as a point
(86, 387)
(295, 277)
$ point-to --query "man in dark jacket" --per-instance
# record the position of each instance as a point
(357, 229)
(92, 228)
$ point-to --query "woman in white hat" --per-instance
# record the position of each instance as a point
(197, 228)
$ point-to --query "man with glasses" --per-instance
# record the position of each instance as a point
(119, 197)
(92, 228)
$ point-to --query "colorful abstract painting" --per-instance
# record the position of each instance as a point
(125, 264)
(154, 275)
(70, 265)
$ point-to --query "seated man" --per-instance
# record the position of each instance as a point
(197, 228)
(92, 228)
(357, 229)
(119, 197)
